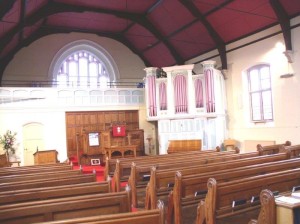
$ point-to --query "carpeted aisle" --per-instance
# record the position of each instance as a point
(99, 170)
(90, 169)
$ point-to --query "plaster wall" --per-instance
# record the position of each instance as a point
(286, 103)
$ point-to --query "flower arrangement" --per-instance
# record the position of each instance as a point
(8, 140)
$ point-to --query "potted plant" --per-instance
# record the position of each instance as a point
(8, 141)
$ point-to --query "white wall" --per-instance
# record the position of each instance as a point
(286, 99)
(53, 122)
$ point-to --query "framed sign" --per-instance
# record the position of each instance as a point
(94, 139)
(95, 162)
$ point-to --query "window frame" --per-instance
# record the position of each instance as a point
(81, 80)
(84, 45)
(260, 92)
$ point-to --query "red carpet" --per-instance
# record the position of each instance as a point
(99, 170)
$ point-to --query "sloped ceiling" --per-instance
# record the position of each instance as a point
(176, 30)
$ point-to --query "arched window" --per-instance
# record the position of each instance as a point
(260, 93)
(83, 64)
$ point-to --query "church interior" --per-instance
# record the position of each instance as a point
(157, 111)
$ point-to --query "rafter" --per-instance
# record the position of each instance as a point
(154, 6)
(22, 19)
(284, 22)
(26, 22)
(145, 23)
(6, 6)
(214, 35)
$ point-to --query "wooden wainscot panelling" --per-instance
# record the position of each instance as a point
(80, 124)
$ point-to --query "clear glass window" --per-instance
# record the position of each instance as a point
(260, 93)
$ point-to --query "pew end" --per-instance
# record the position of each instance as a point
(267, 214)
(272, 148)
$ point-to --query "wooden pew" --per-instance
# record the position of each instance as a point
(185, 198)
(36, 176)
(84, 178)
(230, 202)
(35, 166)
(176, 146)
(293, 149)
(267, 214)
(110, 164)
(135, 177)
(123, 168)
(154, 216)
(140, 174)
(277, 211)
(65, 208)
(162, 181)
(31, 194)
(6, 171)
(271, 149)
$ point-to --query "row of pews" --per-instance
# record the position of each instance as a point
(55, 193)
(209, 186)
(192, 187)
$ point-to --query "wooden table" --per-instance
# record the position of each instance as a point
(123, 150)
(16, 162)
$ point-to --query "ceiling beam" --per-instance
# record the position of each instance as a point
(154, 6)
(220, 44)
(22, 19)
(143, 21)
(284, 22)
(26, 22)
(5, 7)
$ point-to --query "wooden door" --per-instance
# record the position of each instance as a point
(32, 141)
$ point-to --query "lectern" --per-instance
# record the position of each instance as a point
(43, 157)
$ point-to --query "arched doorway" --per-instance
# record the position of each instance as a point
(33, 140)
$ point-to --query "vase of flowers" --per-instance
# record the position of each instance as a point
(8, 141)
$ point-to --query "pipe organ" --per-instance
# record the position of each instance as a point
(187, 105)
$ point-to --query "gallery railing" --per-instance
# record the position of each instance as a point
(42, 96)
